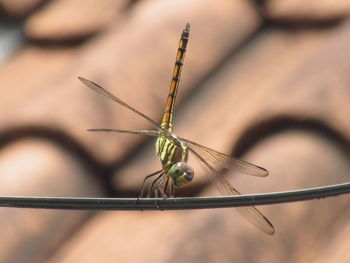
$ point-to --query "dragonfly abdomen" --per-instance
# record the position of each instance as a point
(167, 121)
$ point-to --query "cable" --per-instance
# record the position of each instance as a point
(81, 203)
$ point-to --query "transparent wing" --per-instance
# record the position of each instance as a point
(221, 161)
(252, 214)
(153, 133)
(109, 95)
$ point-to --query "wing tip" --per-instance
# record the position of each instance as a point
(271, 231)
(84, 80)
(262, 172)
(266, 172)
(267, 227)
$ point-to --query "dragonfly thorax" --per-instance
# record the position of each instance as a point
(173, 154)
(171, 150)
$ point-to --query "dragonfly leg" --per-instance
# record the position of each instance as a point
(162, 192)
(172, 190)
(160, 186)
(155, 192)
(144, 181)
(166, 187)
(153, 185)
(159, 192)
(169, 187)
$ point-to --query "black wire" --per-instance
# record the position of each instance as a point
(73, 203)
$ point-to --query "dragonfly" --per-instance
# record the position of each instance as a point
(173, 151)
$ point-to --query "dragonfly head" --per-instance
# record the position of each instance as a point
(181, 173)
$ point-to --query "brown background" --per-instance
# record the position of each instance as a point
(267, 81)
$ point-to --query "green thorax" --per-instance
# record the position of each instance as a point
(171, 150)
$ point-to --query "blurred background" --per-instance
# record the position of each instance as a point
(266, 81)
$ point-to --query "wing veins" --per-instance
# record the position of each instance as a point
(250, 213)
(153, 133)
(220, 160)
(97, 88)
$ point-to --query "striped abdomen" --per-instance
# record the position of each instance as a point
(167, 121)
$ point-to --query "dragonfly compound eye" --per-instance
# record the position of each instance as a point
(181, 173)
